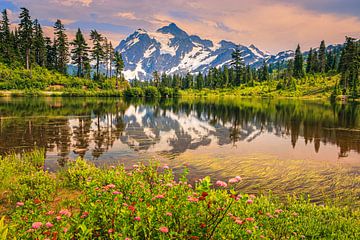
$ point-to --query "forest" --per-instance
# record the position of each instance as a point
(29, 60)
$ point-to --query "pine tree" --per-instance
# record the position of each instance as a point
(50, 54)
(80, 52)
(111, 57)
(6, 48)
(265, 72)
(119, 67)
(156, 79)
(26, 36)
(298, 64)
(238, 65)
(39, 44)
(315, 62)
(62, 47)
(199, 81)
(349, 66)
(309, 61)
(322, 57)
(97, 52)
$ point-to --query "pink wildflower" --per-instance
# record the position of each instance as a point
(65, 212)
(169, 214)
(116, 193)
(164, 229)
(36, 225)
(160, 196)
(110, 231)
(278, 211)
(50, 213)
(19, 204)
(58, 218)
(65, 230)
(137, 218)
(252, 196)
(84, 215)
(166, 167)
(193, 199)
(49, 225)
(238, 221)
(233, 180)
(250, 219)
(249, 231)
(110, 186)
(135, 166)
(238, 178)
(249, 201)
(221, 184)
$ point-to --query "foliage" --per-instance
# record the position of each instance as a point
(146, 202)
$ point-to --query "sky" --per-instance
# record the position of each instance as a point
(271, 25)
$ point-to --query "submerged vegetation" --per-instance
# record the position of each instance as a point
(147, 202)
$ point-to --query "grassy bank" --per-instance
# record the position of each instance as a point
(313, 87)
(85, 202)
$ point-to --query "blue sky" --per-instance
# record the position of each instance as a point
(272, 25)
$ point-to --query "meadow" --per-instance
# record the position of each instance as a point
(149, 202)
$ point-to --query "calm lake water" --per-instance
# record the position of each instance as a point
(286, 146)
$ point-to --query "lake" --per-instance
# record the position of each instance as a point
(283, 146)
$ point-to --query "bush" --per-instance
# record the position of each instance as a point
(134, 92)
(151, 92)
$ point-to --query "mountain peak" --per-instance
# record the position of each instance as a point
(173, 29)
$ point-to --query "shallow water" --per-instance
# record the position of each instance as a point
(287, 146)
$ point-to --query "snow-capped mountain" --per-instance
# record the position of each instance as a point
(173, 51)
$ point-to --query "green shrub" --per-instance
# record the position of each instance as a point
(37, 185)
(151, 92)
(134, 92)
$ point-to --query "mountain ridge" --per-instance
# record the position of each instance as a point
(171, 50)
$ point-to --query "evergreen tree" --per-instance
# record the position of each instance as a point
(111, 57)
(226, 77)
(62, 47)
(315, 63)
(309, 61)
(50, 54)
(26, 36)
(98, 52)
(119, 67)
(6, 48)
(298, 64)
(156, 79)
(80, 53)
(39, 44)
(265, 72)
(238, 65)
(322, 57)
(199, 81)
(349, 66)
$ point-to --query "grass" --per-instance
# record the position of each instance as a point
(147, 202)
(309, 87)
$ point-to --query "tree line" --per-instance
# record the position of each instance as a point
(27, 46)
(323, 61)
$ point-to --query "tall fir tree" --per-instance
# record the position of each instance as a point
(97, 52)
(80, 53)
(6, 48)
(309, 61)
(322, 57)
(26, 36)
(298, 64)
(119, 66)
(62, 47)
(238, 65)
(39, 44)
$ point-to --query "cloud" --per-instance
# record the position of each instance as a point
(127, 15)
(272, 25)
